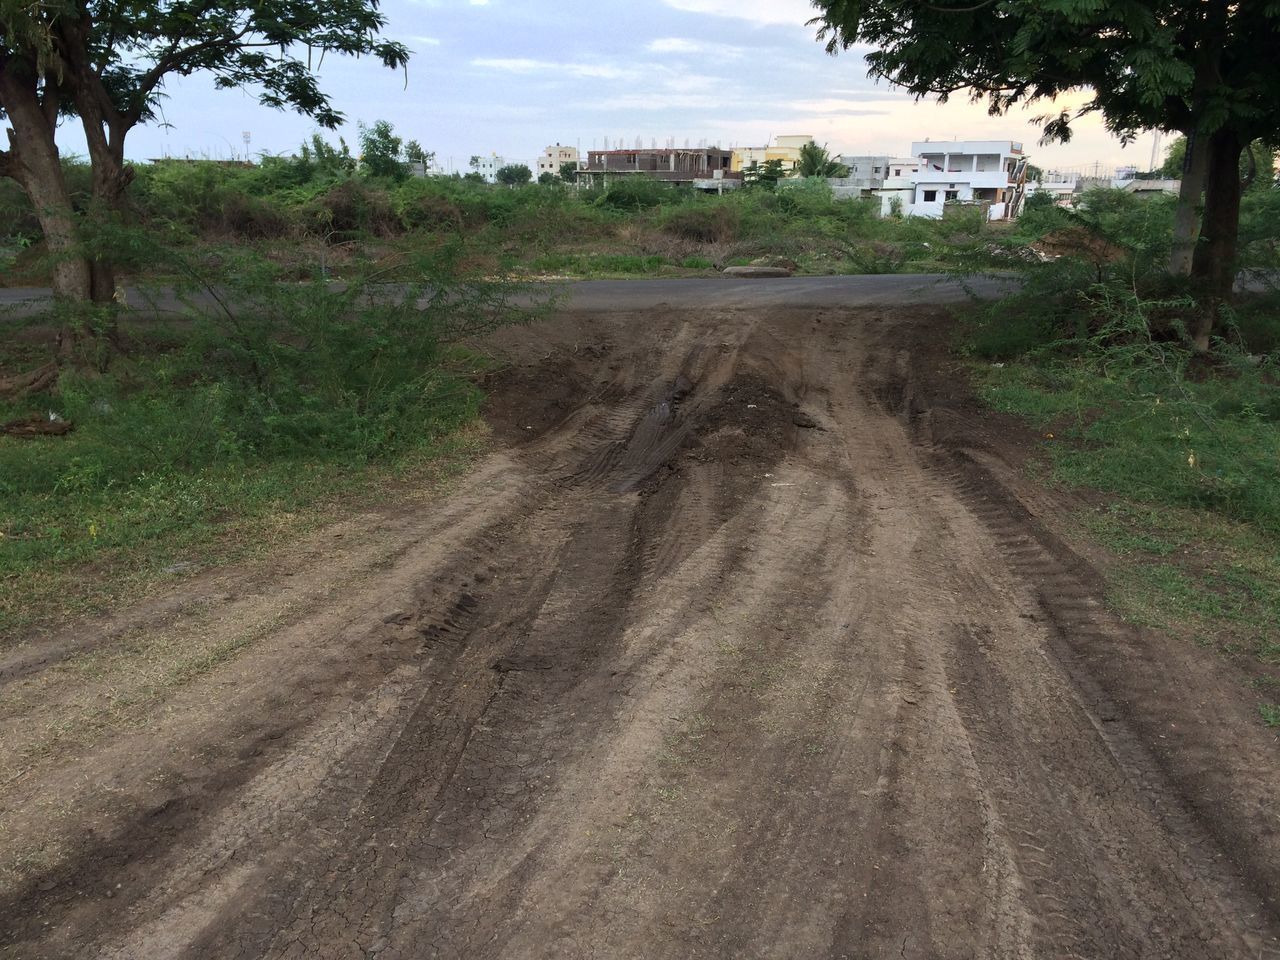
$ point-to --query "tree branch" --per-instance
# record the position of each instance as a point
(173, 59)
(976, 6)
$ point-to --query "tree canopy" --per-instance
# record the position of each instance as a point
(1206, 69)
(1164, 64)
(106, 63)
(815, 161)
(514, 174)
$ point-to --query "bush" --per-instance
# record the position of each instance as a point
(703, 223)
(238, 411)
(637, 192)
(429, 211)
(1150, 425)
(352, 209)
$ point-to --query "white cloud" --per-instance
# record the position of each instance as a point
(673, 45)
(658, 101)
(835, 105)
(424, 41)
(793, 12)
(682, 45)
(525, 65)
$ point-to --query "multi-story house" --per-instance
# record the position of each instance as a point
(553, 158)
(785, 149)
(989, 172)
(487, 167)
(869, 173)
(706, 168)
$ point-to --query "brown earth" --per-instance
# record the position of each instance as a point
(746, 641)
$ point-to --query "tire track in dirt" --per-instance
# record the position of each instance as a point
(740, 654)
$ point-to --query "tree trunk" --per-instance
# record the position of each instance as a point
(1213, 266)
(111, 177)
(34, 162)
(1186, 221)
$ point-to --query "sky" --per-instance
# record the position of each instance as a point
(513, 76)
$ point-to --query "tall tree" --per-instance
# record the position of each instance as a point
(381, 151)
(815, 161)
(514, 175)
(106, 63)
(1206, 69)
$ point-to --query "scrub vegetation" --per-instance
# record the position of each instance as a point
(317, 214)
(1094, 352)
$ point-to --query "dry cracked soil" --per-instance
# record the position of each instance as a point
(748, 639)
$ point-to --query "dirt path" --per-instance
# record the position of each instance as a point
(746, 642)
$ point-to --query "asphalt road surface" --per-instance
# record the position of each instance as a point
(640, 294)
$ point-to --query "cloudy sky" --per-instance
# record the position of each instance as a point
(511, 76)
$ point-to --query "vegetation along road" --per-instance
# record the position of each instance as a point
(748, 638)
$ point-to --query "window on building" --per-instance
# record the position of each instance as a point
(953, 195)
(930, 196)
(897, 171)
(875, 170)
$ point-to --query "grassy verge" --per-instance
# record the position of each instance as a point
(82, 553)
(1187, 453)
(206, 442)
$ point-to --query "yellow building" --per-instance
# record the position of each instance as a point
(786, 149)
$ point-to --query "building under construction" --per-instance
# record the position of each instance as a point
(706, 168)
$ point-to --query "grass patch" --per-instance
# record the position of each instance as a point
(207, 440)
(598, 264)
(1188, 451)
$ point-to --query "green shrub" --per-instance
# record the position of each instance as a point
(352, 209)
(703, 223)
(236, 410)
(637, 192)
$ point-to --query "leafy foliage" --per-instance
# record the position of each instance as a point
(815, 161)
(111, 60)
(268, 394)
(514, 175)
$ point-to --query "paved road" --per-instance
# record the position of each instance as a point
(692, 293)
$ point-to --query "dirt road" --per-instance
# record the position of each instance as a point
(747, 641)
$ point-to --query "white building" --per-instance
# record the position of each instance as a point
(897, 195)
(869, 173)
(1061, 186)
(990, 172)
(553, 158)
(488, 167)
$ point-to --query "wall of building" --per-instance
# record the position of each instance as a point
(554, 157)
(488, 167)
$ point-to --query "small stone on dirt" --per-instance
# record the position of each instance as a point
(805, 421)
(398, 617)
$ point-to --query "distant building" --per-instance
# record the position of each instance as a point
(488, 167)
(990, 173)
(785, 149)
(1150, 188)
(868, 174)
(1061, 186)
(707, 168)
(553, 158)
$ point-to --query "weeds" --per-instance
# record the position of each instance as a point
(1093, 352)
(264, 397)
